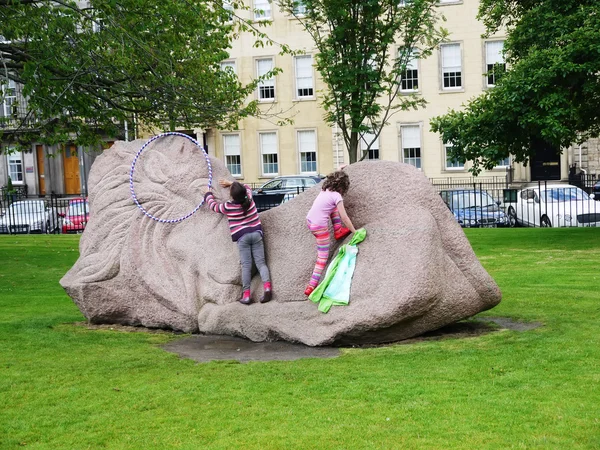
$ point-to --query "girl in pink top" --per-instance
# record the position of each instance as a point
(329, 204)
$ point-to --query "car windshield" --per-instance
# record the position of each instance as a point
(26, 208)
(273, 184)
(79, 209)
(563, 195)
(462, 200)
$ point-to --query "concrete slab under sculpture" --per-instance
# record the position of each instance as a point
(416, 270)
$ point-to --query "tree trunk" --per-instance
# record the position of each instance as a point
(353, 147)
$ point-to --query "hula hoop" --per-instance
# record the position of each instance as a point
(134, 197)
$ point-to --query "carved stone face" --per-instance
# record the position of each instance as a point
(415, 271)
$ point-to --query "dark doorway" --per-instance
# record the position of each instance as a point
(545, 164)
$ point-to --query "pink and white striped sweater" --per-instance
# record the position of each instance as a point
(240, 222)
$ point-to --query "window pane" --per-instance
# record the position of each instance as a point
(411, 145)
(452, 163)
(410, 77)
(265, 7)
(304, 76)
(270, 164)
(231, 144)
(15, 167)
(451, 66)
(234, 164)
(266, 88)
(307, 146)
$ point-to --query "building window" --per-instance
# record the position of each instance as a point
(15, 167)
(451, 163)
(229, 64)
(266, 88)
(268, 151)
(409, 79)
(307, 147)
(503, 163)
(304, 76)
(9, 96)
(494, 61)
(451, 66)
(365, 140)
(262, 9)
(411, 144)
(227, 6)
(232, 151)
(299, 8)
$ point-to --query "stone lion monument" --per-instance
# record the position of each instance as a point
(415, 271)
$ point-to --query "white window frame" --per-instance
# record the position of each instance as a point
(449, 2)
(445, 67)
(403, 138)
(302, 150)
(456, 168)
(15, 159)
(365, 139)
(413, 64)
(229, 63)
(228, 7)
(299, 79)
(9, 96)
(262, 153)
(265, 6)
(508, 159)
(231, 150)
(269, 83)
(487, 63)
(300, 9)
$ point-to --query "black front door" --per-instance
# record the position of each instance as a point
(545, 164)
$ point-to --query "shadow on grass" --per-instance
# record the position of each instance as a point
(205, 348)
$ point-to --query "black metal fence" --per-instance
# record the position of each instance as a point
(483, 202)
(51, 214)
(542, 204)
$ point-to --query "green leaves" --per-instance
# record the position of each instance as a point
(356, 40)
(85, 71)
(550, 91)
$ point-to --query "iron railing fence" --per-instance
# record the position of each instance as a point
(485, 203)
(51, 214)
(540, 204)
(585, 182)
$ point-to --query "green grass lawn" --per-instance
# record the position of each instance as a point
(67, 387)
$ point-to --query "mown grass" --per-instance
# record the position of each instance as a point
(64, 386)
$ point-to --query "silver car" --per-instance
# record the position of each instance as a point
(29, 216)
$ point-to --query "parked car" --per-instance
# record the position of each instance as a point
(555, 205)
(475, 208)
(282, 189)
(596, 190)
(77, 216)
(29, 216)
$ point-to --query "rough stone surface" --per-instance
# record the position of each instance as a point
(415, 271)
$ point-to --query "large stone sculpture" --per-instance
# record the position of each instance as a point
(415, 271)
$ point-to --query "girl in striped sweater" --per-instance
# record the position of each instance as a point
(329, 204)
(246, 230)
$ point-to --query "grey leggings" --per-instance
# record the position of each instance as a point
(251, 245)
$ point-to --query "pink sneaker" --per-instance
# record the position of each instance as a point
(341, 233)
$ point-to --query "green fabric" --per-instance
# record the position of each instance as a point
(318, 295)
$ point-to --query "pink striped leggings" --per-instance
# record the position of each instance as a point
(322, 235)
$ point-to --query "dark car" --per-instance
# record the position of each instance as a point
(281, 189)
(596, 190)
(475, 208)
(77, 216)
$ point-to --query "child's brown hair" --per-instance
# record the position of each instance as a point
(337, 181)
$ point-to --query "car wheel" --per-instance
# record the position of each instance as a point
(545, 222)
(512, 217)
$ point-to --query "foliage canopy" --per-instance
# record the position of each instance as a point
(550, 91)
(360, 62)
(83, 68)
